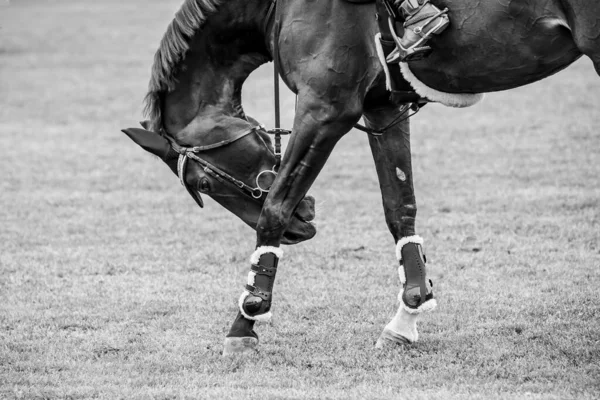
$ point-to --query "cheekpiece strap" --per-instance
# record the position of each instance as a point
(181, 163)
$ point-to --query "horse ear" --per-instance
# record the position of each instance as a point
(153, 143)
(150, 141)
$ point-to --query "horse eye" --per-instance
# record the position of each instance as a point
(204, 186)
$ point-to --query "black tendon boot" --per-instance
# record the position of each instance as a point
(255, 303)
(417, 294)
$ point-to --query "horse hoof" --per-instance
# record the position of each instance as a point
(389, 337)
(239, 345)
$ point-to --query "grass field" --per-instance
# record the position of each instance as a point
(114, 285)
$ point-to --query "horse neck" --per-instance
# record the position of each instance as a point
(221, 55)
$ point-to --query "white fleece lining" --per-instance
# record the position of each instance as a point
(255, 257)
(405, 240)
(458, 100)
(401, 274)
(429, 305)
(251, 277)
(260, 318)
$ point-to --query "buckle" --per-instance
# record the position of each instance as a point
(279, 131)
(262, 270)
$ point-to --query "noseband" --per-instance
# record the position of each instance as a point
(186, 153)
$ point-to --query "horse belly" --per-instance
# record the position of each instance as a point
(498, 45)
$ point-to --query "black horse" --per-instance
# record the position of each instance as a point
(327, 56)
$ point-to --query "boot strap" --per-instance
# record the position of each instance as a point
(263, 270)
(254, 291)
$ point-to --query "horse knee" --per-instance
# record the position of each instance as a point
(272, 221)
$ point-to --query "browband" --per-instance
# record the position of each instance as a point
(196, 149)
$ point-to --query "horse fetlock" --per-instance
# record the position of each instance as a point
(255, 301)
(416, 294)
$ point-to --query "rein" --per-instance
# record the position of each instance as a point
(277, 131)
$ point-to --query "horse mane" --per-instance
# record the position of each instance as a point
(173, 46)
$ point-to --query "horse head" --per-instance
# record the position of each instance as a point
(236, 169)
(196, 121)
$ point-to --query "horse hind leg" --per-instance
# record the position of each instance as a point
(584, 22)
(392, 156)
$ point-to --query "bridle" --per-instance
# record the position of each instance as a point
(187, 153)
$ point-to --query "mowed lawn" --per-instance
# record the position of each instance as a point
(113, 284)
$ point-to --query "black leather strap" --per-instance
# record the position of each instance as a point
(405, 96)
(262, 270)
(266, 296)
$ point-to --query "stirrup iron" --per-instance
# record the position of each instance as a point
(422, 20)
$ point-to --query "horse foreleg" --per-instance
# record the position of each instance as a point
(317, 128)
(392, 155)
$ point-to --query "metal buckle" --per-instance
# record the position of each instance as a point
(279, 131)
(267, 171)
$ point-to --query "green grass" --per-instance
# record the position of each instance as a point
(114, 285)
